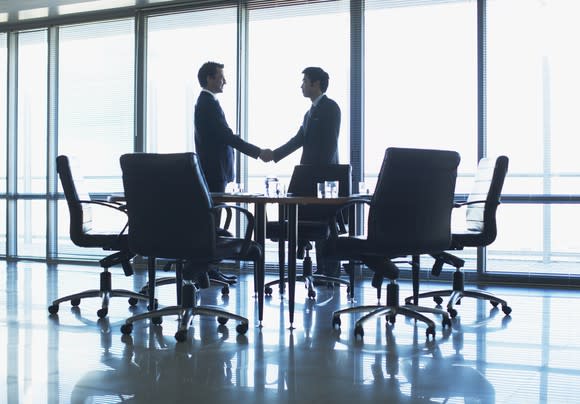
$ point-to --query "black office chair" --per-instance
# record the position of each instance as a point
(84, 233)
(171, 215)
(314, 223)
(479, 230)
(409, 214)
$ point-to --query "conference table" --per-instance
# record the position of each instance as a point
(288, 204)
(288, 210)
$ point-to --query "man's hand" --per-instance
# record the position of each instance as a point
(266, 155)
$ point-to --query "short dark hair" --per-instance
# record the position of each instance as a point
(317, 74)
(207, 69)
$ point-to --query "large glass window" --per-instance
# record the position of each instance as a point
(31, 130)
(3, 92)
(533, 83)
(282, 42)
(177, 46)
(96, 104)
(421, 81)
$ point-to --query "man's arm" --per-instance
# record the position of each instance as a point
(226, 135)
(291, 146)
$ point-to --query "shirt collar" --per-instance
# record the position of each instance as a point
(209, 92)
(317, 100)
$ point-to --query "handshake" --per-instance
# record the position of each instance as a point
(266, 155)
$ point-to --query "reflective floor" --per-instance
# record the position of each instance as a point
(533, 356)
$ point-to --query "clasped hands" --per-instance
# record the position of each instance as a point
(266, 155)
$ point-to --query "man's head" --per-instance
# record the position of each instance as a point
(211, 77)
(314, 83)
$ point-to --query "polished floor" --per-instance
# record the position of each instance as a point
(532, 356)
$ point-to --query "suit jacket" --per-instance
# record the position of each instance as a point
(318, 135)
(215, 142)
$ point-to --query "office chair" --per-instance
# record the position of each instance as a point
(409, 214)
(172, 216)
(479, 230)
(84, 233)
(314, 223)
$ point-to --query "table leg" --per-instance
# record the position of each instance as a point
(259, 275)
(281, 247)
(415, 268)
(292, 242)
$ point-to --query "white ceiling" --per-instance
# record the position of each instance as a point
(29, 11)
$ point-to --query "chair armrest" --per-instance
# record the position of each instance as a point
(228, 220)
(465, 203)
(120, 207)
(249, 228)
(113, 205)
(337, 223)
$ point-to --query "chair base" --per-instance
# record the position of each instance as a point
(390, 311)
(310, 280)
(105, 292)
(172, 280)
(458, 292)
(185, 312)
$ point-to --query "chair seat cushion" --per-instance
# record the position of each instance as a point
(463, 237)
(307, 230)
(231, 248)
(104, 241)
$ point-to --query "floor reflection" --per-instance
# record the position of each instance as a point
(484, 358)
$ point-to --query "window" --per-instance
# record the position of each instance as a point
(421, 81)
(533, 84)
(96, 104)
(32, 128)
(3, 92)
(178, 45)
(282, 42)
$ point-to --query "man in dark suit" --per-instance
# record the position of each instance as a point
(318, 134)
(214, 140)
(318, 137)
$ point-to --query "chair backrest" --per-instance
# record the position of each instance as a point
(74, 191)
(306, 176)
(487, 186)
(169, 206)
(411, 207)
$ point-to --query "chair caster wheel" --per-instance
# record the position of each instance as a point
(126, 329)
(156, 306)
(226, 290)
(391, 319)
(133, 301)
(336, 322)
(102, 313)
(506, 310)
(358, 331)
(222, 320)
(430, 331)
(157, 320)
(452, 312)
(181, 335)
(242, 328)
(75, 302)
(494, 303)
(312, 294)
(268, 291)
(438, 299)
(446, 322)
(53, 309)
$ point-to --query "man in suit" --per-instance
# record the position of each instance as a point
(214, 140)
(318, 137)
